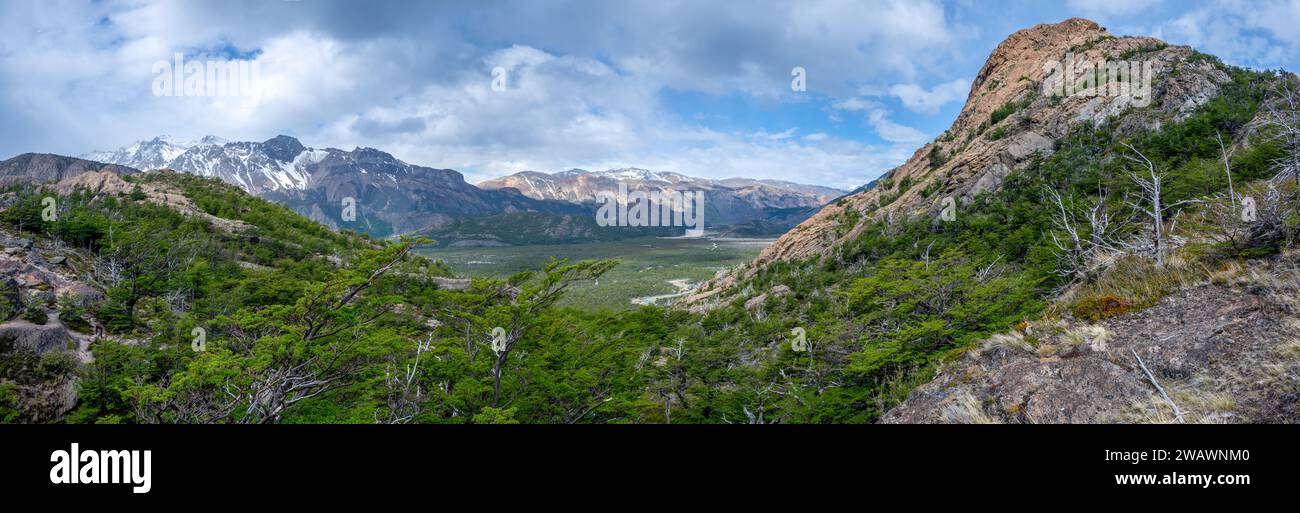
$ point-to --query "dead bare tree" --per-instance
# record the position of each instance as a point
(1258, 220)
(1074, 249)
(1227, 169)
(403, 395)
(1151, 204)
(1282, 114)
(1178, 413)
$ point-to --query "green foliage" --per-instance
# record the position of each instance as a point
(491, 415)
(998, 133)
(1003, 112)
(9, 412)
(34, 311)
(936, 157)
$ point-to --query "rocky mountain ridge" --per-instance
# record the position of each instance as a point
(1006, 121)
(581, 186)
(390, 196)
(394, 197)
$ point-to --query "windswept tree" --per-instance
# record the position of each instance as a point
(497, 316)
(269, 360)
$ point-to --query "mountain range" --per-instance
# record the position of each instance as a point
(728, 202)
(394, 197)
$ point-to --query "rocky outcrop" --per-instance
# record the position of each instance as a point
(1226, 351)
(35, 338)
(980, 150)
(757, 301)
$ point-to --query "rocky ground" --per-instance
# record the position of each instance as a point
(1225, 351)
(40, 357)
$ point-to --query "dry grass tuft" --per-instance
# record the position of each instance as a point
(965, 409)
(1133, 283)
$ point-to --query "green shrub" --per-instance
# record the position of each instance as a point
(1003, 112)
(936, 157)
(35, 311)
(998, 133)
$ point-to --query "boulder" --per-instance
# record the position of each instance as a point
(36, 338)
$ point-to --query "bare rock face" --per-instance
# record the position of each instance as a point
(44, 167)
(977, 153)
(1225, 353)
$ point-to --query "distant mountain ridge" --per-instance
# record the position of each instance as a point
(46, 167)
(731, 201)
(394, 197)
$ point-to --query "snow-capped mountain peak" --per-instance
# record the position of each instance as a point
(255, 166)
(152, 154)
(636, 173)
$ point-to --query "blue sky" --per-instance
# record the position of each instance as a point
(699, 87)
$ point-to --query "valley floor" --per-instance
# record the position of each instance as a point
(651, 268)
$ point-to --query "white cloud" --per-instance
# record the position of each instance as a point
(919, 99)
(878, 116)
(778, 136)
(1260, 34)
(414, 79)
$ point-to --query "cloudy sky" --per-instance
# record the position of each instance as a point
(701, 87)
